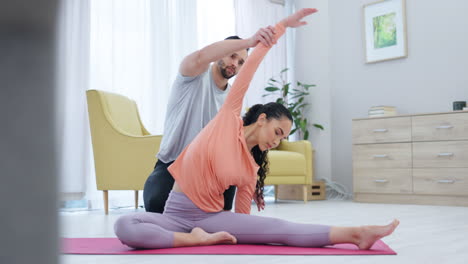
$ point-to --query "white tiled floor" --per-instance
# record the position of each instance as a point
(427, 234)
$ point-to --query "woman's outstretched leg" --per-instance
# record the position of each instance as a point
(363, 236)
(250, 229)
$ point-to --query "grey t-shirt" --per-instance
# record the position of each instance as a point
(193, 102)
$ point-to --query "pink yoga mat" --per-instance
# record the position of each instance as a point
(112, 246)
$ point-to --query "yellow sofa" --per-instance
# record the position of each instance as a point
(124, 151)
(291, 163)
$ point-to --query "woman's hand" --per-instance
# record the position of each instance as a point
(294, 20)
(260, 202)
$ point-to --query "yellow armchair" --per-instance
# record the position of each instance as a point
(291, 163)
(124, 151)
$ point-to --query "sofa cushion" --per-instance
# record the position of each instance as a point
(286, 163)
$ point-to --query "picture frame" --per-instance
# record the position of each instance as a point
(385, 30)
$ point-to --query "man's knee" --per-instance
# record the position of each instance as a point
(155, 201)
(156, 192)
(229, 198)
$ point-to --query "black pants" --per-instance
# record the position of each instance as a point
(159, 184)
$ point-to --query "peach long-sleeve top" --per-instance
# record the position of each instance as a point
(218, 156)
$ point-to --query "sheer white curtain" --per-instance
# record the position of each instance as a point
(72, 81)
(247, 23)
(216, 21)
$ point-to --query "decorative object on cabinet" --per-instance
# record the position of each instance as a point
(382, 110)
(459, 105)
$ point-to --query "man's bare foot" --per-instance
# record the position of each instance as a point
(205, 239)
(368, 235)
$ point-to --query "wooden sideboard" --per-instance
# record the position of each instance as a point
(413, 159)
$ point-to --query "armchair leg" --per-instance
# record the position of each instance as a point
(136, 199)
(276, 192)
(304, 193)
(106, 201)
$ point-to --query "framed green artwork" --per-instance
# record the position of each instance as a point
(385, 30)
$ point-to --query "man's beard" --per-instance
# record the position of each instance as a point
(223, 70)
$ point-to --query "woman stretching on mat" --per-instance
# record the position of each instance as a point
(231, 151)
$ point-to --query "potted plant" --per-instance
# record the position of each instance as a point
(292, 97)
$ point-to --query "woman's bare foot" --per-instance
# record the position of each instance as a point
(368, 235)
(198, 237)
(205, 239)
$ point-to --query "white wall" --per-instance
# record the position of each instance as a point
(330, 53)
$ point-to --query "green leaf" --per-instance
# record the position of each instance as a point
(273, 80)
(285, 69)
(307, 86)
(302, 105)
(306, 135)
(319, 126)
(296, 96)
(302, 125)
(292, 131)
(286, 89)
(271, 89)
(293, 105)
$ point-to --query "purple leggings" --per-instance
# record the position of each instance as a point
(154, 230)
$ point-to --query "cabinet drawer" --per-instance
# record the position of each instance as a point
(446, 181)
(445, 154)
(382, 130)
(440, 127)
(392, 155)
(383, 180)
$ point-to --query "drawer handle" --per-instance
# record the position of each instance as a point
(381, 180)
(446, 181)
(380, 156)
(445, 154)
(380, 130)
(444, 127)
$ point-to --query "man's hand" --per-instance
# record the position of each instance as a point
(263, 35)
(294, 20)
(260, 202)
